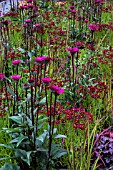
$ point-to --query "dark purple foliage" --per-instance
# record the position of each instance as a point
(103, 148)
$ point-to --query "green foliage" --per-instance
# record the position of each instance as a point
(29, 149)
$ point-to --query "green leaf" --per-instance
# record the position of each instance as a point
(9, 166)
(16, 119)
(35, 110)
(54, 130)
(8, 79)
(30, 55)
(6, 158)
(21, 50)
(60, 136)
(20, 139)
(29, 122)
(7, 146)
(40, 125)
(42, 136)
(10, 91)
(14, 140)
(43, 100)
(42, 149)
(25, 156)
(10, 130)
(41, 120)
(59, 153)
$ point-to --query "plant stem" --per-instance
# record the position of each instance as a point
(46, 97)
(53, 123)
(32, 105)
(50, 133)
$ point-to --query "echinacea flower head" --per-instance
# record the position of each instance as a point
(71, 7)
(24, 25)
(46, 80)
(23, 6)
(30, 5)
(86, 20)
(40, 59)
(29, 1)
(16, 77)
(73, 50)
(98, 1)
(57, 89)
(78, 43)
(16, 62)
(27, 21)
(73, 11)
(31, 81)
(2, 75)
(93, 27)
(37, 25)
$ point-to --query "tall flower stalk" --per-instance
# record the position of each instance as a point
(56, 91)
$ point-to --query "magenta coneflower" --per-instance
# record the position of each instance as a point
(40, 59)
(37, 25)
(57, 89)
(46, 80)
(86, 20)
(16, 62)
(29, 1)
(24, 25)
(23, 7)
(93, 27)
(71, 7)
(73, 50)
(73, 11)
(16, 77)
(27, 20)
(2, 75)
(30, 5)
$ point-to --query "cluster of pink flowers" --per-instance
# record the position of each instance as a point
(42, 58)
(72, 10)
(57, 89)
